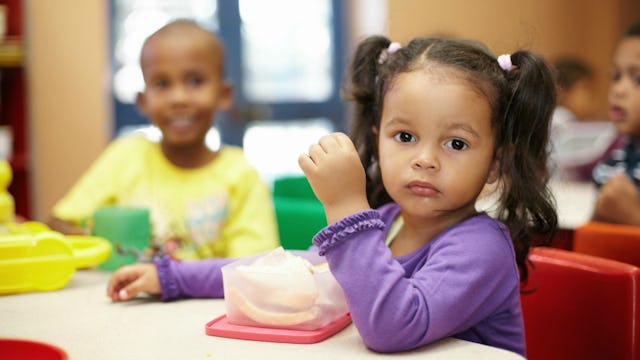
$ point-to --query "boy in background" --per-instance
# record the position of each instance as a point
(619, 176)
(580, 139)
(203, 203)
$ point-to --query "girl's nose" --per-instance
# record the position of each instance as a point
(426, 159)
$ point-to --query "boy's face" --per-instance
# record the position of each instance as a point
(183, 86)
(624, 94)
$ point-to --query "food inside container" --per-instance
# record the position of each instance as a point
(280, 289)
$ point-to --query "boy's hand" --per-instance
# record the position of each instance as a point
(336, 175)
(129, 281)
(618, 202)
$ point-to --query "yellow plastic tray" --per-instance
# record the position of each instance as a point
(37, 259)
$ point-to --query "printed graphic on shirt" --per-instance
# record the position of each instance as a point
(180, 232)
(205, 218)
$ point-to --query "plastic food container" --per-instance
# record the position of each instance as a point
(46, 260)
(295, 299)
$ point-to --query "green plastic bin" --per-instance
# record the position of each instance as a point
(299, 213)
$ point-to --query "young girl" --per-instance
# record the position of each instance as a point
(435, 121)
(619, 177)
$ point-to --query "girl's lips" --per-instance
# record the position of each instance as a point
(421, 188)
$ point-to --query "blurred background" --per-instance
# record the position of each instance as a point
(69, 70)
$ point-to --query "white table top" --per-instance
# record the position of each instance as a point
(574, 202)
(85, 323)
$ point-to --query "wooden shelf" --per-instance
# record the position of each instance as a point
(11, 53)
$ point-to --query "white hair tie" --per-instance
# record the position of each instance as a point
(392, 48)
(505, 62)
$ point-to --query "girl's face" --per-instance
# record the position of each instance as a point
(184, 87)
(624, 93)
(435, 145)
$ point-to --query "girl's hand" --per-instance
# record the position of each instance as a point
(618, 202)
(129, 281)
(336, 175)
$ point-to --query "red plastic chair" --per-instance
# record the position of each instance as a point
(580, 307)
(611, 241)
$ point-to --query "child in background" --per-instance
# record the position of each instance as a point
(576, 89)
(203, 203)
(619, 176)
(435, 121)
(579, 140)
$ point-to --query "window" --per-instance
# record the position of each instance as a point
(288, 59)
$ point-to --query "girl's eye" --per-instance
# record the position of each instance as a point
(636, 80)
(457, 144)
(404, 136)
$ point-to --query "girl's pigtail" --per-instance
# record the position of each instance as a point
(362, 90)
(527, 204)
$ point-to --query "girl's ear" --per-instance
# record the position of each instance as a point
(494, 169)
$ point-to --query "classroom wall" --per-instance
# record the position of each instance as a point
(585, 28)
(68, 93)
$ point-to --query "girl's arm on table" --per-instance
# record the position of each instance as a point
(190, 279)
(169, 279)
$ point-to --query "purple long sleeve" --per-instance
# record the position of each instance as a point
(201, 278)
(190, 279)
(462, 283)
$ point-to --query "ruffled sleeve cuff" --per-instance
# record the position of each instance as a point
(168, 282)
(335, 233)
